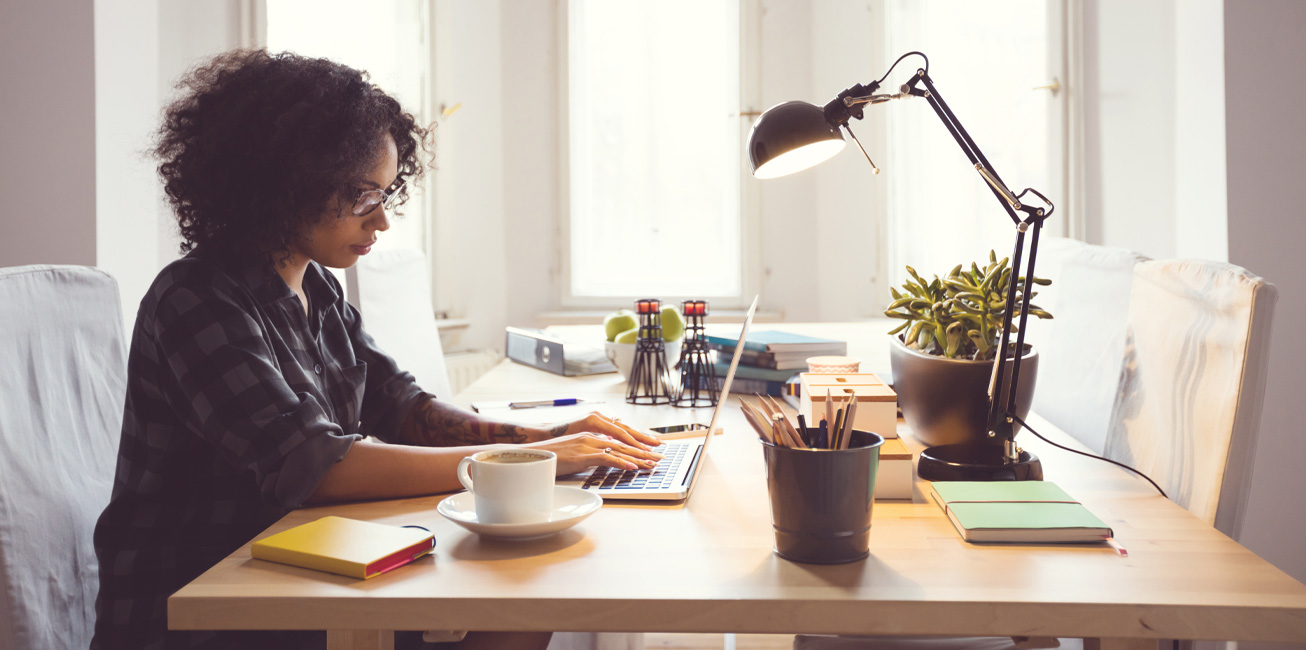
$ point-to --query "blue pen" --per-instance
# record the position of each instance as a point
(567, 401)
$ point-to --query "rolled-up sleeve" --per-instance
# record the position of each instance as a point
(391, 392)
(229, 389)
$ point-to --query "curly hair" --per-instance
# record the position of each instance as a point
(260, 144)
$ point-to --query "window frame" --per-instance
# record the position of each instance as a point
(749, 44)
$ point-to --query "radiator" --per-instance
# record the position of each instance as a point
(466, 367)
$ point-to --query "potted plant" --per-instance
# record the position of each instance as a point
(942, 356)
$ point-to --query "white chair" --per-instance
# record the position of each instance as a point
(1189, 406)
(61, 403)
(1082, 348)
(392, 290)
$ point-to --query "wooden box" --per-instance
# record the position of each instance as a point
(894, 478)
(877, 404)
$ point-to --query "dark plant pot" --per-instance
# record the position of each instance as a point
(945, 401)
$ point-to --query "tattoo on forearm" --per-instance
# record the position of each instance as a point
(560, 430)
(437, 424)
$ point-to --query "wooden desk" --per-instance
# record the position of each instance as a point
(708, 566)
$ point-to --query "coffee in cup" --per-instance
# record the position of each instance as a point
(511, 486)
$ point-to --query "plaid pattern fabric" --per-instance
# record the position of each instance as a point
(237, 406)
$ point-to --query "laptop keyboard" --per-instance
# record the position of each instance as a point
(656, 478)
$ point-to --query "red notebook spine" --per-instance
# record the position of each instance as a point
(396, 560)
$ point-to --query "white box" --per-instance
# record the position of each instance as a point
(877, 404)
(894, 478)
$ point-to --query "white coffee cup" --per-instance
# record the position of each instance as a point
(511, 486)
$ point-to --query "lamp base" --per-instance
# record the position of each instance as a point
(976, 462)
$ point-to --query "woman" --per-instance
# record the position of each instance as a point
(251, 382)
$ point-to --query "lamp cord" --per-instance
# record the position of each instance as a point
(1084, 453)
(895, 64)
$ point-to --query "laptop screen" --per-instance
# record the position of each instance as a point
(725, 390)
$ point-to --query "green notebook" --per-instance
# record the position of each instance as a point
(1017, 511)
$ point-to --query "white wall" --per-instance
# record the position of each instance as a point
(1129, 125)
(142, 48)
(129, 206)
(821, 228)
(1154, 158)
(1266, 143)
(530, 162)
(1201, 198)
(47, 134)
(470, 232)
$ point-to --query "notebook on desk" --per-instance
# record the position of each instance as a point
(674, 477)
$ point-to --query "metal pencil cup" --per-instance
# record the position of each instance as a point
(821, 499)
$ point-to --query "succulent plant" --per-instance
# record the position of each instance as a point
(959, 316)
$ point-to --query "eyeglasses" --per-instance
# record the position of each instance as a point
(368, 199)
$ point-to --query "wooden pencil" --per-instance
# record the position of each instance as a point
(789, 426)
(848, 423)
(762, 421)
(763, 431)
(829, 411)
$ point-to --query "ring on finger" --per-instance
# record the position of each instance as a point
(607, 450)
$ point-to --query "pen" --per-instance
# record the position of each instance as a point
(567, 401)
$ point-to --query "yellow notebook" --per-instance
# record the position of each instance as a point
(358, 549)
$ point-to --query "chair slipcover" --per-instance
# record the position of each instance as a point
(394, 297)
(1194, 381)
(1081, 349)
(64, 378)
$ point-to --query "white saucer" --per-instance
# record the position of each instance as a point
(570, 506)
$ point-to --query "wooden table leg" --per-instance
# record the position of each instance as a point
(360, 640)
(1120, 644)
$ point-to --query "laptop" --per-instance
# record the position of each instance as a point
(673, 478)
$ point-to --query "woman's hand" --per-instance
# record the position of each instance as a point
(596, 439)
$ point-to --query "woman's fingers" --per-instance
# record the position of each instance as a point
(622, 431)
(619, 460)
(636, 437)
(624, 449)
(582, 450)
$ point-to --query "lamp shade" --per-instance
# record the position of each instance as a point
(791, 137)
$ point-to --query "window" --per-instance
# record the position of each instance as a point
(653, 147)
(941, 212)
(383, 37)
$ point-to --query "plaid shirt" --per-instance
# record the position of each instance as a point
(237, 406)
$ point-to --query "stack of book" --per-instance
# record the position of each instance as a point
(769, 359)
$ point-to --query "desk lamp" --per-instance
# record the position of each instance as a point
(793, 136)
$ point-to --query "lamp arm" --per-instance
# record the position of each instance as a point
(1001, 426)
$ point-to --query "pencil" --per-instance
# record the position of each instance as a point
(848, 423)
(762, 431)
(777, 416)
(764, 422)
(793, 432)
(848, 426)
(829, 410)
(794, 438)
(836, 429)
